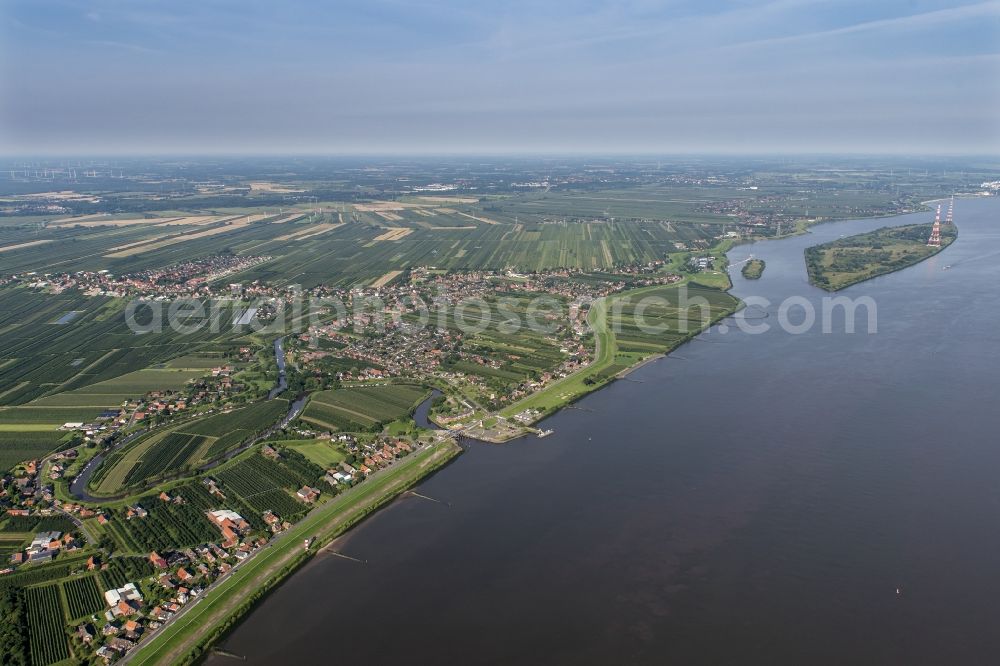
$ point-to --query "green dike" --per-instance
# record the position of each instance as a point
(611, 358)
(571, 388)
(186, 639)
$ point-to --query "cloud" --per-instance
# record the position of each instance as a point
(126, 46)
(896, 24)
(435, 74)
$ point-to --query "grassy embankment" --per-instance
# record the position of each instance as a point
(846, 261)
(570, 388)
(620, 344)
(185, 639)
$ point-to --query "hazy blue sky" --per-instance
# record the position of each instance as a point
(370, 76)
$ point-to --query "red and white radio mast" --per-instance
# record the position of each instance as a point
(935, 239)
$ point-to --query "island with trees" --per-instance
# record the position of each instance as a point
(753, 269)
(846, 261)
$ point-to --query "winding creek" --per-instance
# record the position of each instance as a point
(822, 498)
(78, 487)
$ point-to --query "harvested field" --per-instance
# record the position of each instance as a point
(449, 199)
(263, 186)
(477, 218)
(81, 218)
(197, 220)
(288, 217)
(310, 231)
(379, 206)
(105, 221)
(394, 234)
(8, 248)
(130, 250)
(63, 195)
(608, 261)
(386, 279)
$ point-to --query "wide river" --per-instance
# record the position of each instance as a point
(822, 498)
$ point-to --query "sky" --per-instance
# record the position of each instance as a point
(535, 77)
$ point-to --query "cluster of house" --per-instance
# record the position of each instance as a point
(702, 263)
(77, 509)
(763, 212)
(123, 627)
(183, 576)
(401, 349)
(527, 416)
(45, 546)
(374, 454)
(231, 524)
(404, 347)
(190, 279)
(218, 384)
(21, 489)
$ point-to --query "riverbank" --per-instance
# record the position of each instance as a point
(190, 633)
(611, 359)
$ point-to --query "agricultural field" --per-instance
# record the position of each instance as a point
(121, 467)
(229, 429)
(263, 484)
(657, 319)
(177, 449)
(172, 453)
(846, 261)
(112, 392)
(361, 246)
(12, 542)
(42, 358)
(362, 252)
(44, 573)
(629, 328)
(125, 569)
(169, 525)
(362, 407)
(31, 524)
(322, 452)
(84, 596)
(45, 625)
(320, 223)
(199, 361)
(19, 445)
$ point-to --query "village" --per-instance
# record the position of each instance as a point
(150, 589)
(382, 336)
(190, 279)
